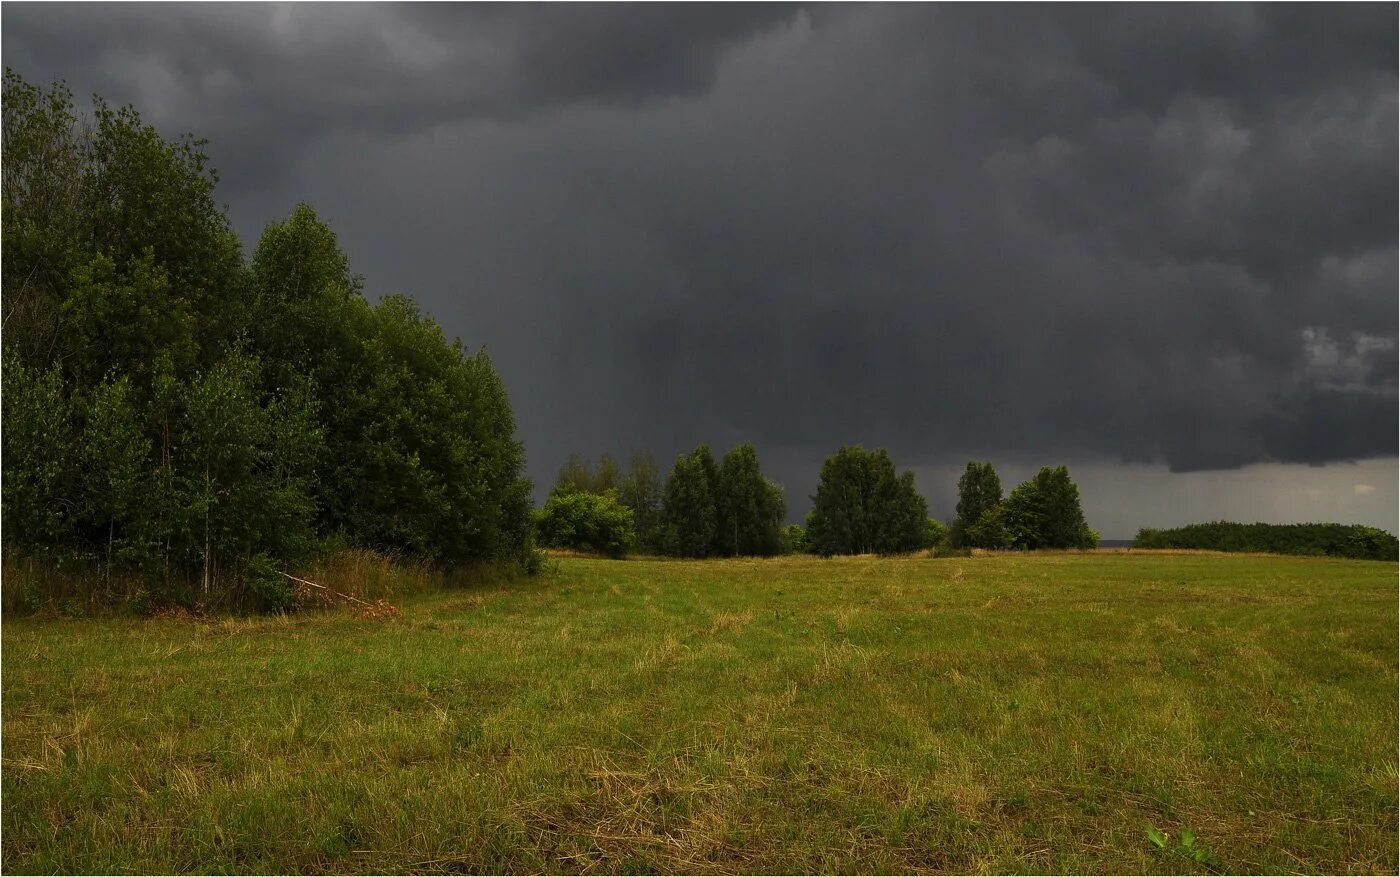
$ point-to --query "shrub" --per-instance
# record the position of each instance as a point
(594, 522)
(795, 539)
(935, 534)
(270, 590)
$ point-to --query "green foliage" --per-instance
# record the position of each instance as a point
(795, 539)
(249, 468)
(935, 534)
(689, 508)
(41, 219)
(1044, 512)
(424, 457)
(173, 411)
(1188, 847)
(989, 531)
(639, 488)
(271, 591)
(586, 522)
(125, 320)
(711, 510)
(114, 461)
(749, 507)
(40, 456)
(1332, 540)
(863, 507)
(979, 491)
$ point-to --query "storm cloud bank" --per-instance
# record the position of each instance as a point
(1140, 234)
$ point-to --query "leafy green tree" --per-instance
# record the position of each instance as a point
(638, 486)
(142, 193)
(248, 469)
(688, 506)
(41, 218)
(979, 489)
(115, 466)
(1045, 512)
(124, 321)
(749, 507)
(585, 521)
(430, 461)
(862, 506)
(169, 408)
(990, 530)
(40, 441)
(304, 305)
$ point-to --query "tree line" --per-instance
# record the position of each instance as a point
(1042, 512)
(703, 509)
(176, 410)
(863, 505)
(1330, 540)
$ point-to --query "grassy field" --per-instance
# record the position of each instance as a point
(987, 714)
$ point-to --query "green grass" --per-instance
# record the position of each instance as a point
(986, 714)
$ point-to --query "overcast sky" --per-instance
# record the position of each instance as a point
(1157, 243)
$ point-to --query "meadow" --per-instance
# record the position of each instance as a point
(1029, 713)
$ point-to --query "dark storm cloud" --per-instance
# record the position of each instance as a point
(261, 80)
(1120, 233)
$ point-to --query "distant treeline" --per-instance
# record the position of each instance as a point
(1330, 540)
(863, 505)
(178, 415)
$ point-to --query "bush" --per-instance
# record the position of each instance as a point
(270, 590)
(795, 539)
(1331, 540)
(594, 522)
(935, 534)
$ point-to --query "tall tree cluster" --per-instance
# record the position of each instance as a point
(723, 510)
(863, 506)
(1043, 512)
(174, 409)
(703, 508)
(638, 488)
